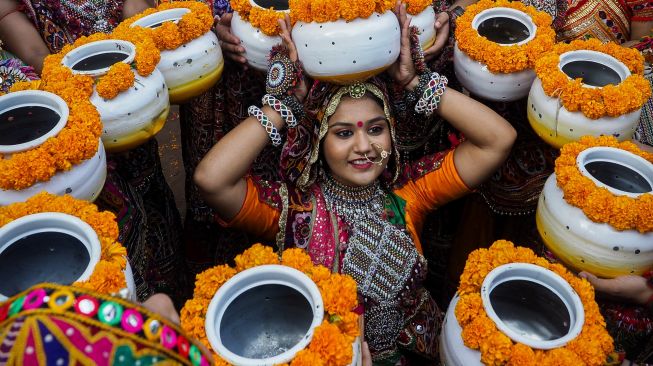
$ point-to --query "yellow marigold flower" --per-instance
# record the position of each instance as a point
(339, 294)
(319, 273)
(521, 355)
(257, 255)
(561, 357)
(496, 350)
(298, 259)
(266, 20)
(119, 78)
(307, 357)
(107, 277)
(332, 346)
(348, 324)
(468, 308)
(478, 330)
(207, 282)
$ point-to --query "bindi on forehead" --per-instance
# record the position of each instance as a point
(359, 124)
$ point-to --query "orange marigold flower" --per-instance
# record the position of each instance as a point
(257, 255)
(332, 346)
(118, 79)
(496, 350)
(338, 293)
(478, 330)
(306, 357)
(207, 282)
(597, 203)
(521, 355)
(468, 308)
(298, 259)
(348, 324)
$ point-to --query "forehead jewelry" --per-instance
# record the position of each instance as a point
(383, 154)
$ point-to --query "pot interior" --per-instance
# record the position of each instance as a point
(265, 321)
(26, 123)
(618, 176)
(530, 309)
(276, 4)
(503, 30)
(45, 256)
(591, 73)
(99, 61)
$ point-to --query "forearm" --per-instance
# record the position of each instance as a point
(20, 37)
(489, 137)
(220, 173)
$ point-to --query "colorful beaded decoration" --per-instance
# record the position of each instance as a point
(275, 137)
(283, 74)
(430, 99)
(61, 325)
(281, 108)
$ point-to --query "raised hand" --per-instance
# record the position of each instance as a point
(630, 288)
(442, 29)
(403, 70)
(229, 43)
(300, 89)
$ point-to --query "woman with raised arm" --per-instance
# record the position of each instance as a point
(342, 202)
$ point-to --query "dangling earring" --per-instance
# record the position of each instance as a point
(384, 154)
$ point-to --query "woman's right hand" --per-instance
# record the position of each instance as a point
(301, 89)
(629, 287)
(229, 43)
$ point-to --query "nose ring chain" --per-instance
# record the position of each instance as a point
(384, 154)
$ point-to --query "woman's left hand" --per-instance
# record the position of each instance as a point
(403, 70)
(629, 287)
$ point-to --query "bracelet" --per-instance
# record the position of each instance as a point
(295, 106)
(285, 112)
(413, 95)
(275, 137)
(430, 99)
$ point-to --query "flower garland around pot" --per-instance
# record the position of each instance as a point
(479, 332)
(415, 7)
(108, 276)
(504, 58)
(321, 11)
(77, 141)
(610, 100)
(261, 18)
(598, 203)
(120, 76)
(171, 35)
(332, 340)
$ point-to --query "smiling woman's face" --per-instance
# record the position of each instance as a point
(357, 129)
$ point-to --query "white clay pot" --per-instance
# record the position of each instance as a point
(548, 296)
(192, 68)
(83, 181)
(244, 324)
(584, 245)
(256, 43)
(133, 116)
(344, 52)
(558, 126)
(53, 260)
(475, 75)
(425, 22)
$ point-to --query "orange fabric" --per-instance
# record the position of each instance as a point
(422, 196)
(429, 192)
(254, 216)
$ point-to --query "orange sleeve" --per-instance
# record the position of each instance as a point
(435, 188)
(255, 217)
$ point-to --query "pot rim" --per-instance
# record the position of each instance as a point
(618, 156)
(173, 15)
(95, 48)
(545, 278)
(594, 56)
(34, 98)
(251, 278)
(53, 222)
(254, 4)
(513, 14)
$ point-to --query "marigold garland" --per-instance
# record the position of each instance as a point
(598, 203)
(610, 100)
(322, 11)
(108, 276)
(479, 332)
(498, 58)
(117, 79)
(169, 35)
(77, 141)
(415, 7)
(332, 340)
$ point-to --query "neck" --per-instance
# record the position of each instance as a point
(337, 190)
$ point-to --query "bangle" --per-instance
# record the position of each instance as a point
(413, 95)
(430, 99)
(295, 106)
(285, 112)
(275, 137)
